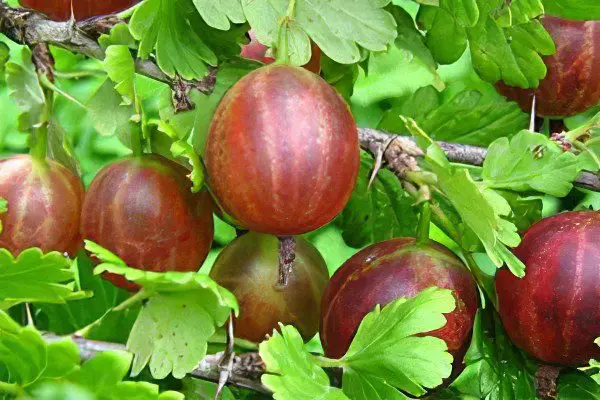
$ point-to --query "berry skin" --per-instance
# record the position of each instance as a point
(44, 206)
(282, 154)
(143, 210)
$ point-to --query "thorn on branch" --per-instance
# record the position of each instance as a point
(226, 363)
(379, 150)
(97, 26)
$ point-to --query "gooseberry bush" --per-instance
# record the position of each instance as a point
(294, 199)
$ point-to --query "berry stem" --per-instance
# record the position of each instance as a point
(424, 222)
(38, 140)
(287, 257)
(546, 378)
(282, 55)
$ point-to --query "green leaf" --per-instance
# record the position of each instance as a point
(524, 211)
(388, 352)
(102, 378)
(123, 121)
(465, 12)
(506, 43)
(184, 149)
(445, 38)
(512, 54)
(466, 117)
(107, 101)
(29, 359)
(379, 212)
(48, 369)
(479, 215)
(330, 243)
(204, 390)
(120, 68)
(404, 67)
(496, 369)
(291, 371)
(104, 371)
(519, 12)
(22, 351)
(163, 26)
(36, 277)
(530, 161)
(573, 9)
(59, 146)
(118, 35)
(171, 332)
(67, 318)
(25, 90)
(4, 57)
(338, 27)
(225, 44)
(575, 385)
(218, 13)
(591, 201)
(61, 391)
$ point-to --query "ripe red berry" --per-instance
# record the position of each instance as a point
(282, 154)
(142, 209)
(553, 313)
(44, 206)
(257, 51)
(82, 9)
(249, 267)
(386, 271)
(572, 84)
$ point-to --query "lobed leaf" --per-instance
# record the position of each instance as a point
(67, 318)
(573, 9)
(291, 371)
(466, 117)
(530, 161)
(338, 27)
(36, 277)
(496, 369)
(25, 90)
(172, 330)
(163, 26)
(387, 352)
(120, 67)
(506, 41)
(218, 13)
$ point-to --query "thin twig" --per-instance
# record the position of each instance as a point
(28, 27)
(246, 369)
(458, 153)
